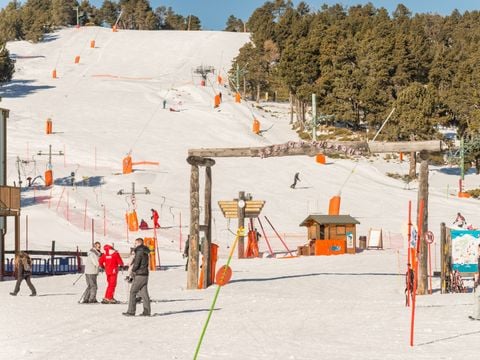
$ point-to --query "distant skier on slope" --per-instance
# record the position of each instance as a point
(295, 179)
(110, 261)
(155, 218)
(459, 220)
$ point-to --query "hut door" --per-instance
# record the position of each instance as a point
(321, 236)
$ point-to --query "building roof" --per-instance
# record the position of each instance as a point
(330, 219)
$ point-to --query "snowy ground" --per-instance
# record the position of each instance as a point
(304, 308)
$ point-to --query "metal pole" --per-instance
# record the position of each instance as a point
(77, 18)
(26, 232)
(462, 160)
(388, 118)
(314, 116)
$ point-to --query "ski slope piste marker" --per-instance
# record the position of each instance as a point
(221, 280)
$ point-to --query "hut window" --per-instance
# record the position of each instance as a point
(340, 229)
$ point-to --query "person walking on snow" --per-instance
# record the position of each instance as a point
(460, 220)
(140, 280)
(409, 284)
(110, 261)
(155, 218)
(91, 274)
(23, 269)
(295, 179)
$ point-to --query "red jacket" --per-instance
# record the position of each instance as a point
(110, 260)
(155, 215)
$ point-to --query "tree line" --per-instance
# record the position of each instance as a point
(362, 62)
(31, 20)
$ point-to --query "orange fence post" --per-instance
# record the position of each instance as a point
(92, 44)
(213, 261)
(114, 28)
(77, 59)
(219, 80)
(238, 98)
(54, 73)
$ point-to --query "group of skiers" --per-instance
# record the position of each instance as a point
(110, 262)
(154, 217)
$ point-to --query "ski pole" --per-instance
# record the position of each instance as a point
(78, 278)
(240, 232)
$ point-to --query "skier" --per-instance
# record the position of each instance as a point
(23, 269)
(143, 225)
(460, 220)
(185, 251)
(155, 218)
(409, 284)
(257, 235)
(140, 280)
(91, 274)
(295, 179)
(110, 261)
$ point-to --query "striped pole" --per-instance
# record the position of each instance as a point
(240, 232)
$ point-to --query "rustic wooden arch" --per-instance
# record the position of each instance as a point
(203, 158)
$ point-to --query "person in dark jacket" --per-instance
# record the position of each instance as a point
(140, 280)
(295, 179)
(185, 251)
(23, 269)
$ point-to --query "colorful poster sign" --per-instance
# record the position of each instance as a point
(349, 239)
(465, 250)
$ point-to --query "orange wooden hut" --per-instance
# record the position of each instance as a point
(330, 235)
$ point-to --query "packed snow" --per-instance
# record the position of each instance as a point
(111, 103)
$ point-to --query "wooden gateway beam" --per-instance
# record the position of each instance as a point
(313, 148)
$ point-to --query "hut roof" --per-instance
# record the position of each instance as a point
(330, 219)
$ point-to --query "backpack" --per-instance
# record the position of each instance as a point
(27, 264)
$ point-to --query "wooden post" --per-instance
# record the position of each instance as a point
(443, 241)
(17, 234)
(192, 280)
(52, 257)
(413, 165)
(2, 254)
(423, 253)
(26, 233)
(208, 228)
(241, 224)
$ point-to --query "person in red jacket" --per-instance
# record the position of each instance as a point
(110, 261)
(155, 218)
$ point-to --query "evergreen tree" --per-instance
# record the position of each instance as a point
(193, 23)
(7, 66)
(11, 27)
(36, 19)
(234, 24)
(109, 12)
(63, 12)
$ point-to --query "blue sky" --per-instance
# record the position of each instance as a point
(214, 13)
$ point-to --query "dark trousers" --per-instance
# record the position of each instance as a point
(139, 286)
(29, 283)
(91, 291)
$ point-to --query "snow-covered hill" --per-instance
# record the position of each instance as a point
(111, 103)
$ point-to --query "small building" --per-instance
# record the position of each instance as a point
(330, 235)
